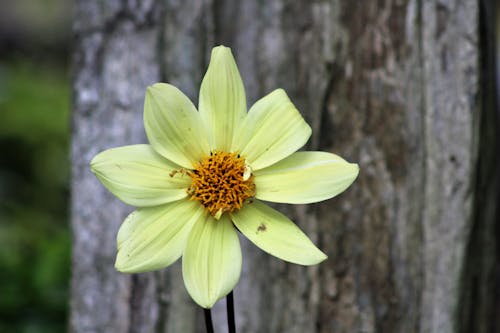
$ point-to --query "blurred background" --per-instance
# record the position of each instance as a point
(35, 39)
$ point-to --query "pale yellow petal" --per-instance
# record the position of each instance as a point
(305, 177)
(274, 233)
(272, 130)
(222, 98)
(173, 125)
(211, 263)
(153, 238)
(138, 176)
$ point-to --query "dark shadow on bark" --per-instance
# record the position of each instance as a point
(481, 276)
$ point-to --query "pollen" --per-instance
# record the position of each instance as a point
(221, 182)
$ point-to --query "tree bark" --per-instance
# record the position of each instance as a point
(393, 85)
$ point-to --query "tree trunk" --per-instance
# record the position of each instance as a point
(393, 85)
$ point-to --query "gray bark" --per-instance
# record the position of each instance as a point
(392, 85)
(114, 59)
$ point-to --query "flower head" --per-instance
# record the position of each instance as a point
(204, 176)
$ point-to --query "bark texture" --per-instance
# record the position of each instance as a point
(393, 85)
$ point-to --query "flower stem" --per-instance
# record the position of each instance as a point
(230, 313)
(208, 321)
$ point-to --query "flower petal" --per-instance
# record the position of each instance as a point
(173, 125)
(272, 130)
(153, 238)
(138, 176)
(211, 264)
(305, 177)
(222, 98)
(274, 233)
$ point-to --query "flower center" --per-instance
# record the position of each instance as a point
(221, 182)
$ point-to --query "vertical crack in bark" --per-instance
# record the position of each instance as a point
(419, 225)
(325, 138)
(496, 92)
(160, 50)
(163, 301)
(476, 312)
(216, 17)
(133, 300)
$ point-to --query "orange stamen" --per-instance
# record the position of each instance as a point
(219, 184)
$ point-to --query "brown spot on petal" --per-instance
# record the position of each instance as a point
(262, 227)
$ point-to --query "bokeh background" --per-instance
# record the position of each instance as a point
(35, 38)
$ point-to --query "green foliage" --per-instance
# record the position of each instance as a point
(34, 173)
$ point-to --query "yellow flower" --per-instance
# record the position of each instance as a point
(204, 174)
